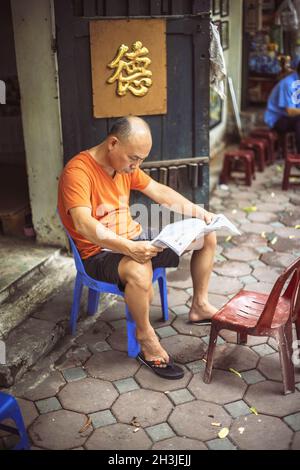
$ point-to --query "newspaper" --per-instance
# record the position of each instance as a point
(188, 234)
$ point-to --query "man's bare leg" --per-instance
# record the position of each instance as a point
(201, 269)
(137, 279)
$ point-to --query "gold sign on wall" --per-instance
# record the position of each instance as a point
(128, 59)
(132, 72)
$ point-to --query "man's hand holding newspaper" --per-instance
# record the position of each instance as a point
(188, 234)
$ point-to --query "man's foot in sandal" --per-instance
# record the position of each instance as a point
(165, 370)
(201, 314)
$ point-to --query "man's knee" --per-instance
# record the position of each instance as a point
(140, 275)
(210, 240)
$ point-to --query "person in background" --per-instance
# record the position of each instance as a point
(283, 108)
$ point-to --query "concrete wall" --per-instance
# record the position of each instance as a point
(37, 72)
(233, 57)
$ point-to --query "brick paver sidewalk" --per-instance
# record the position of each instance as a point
(131, 408)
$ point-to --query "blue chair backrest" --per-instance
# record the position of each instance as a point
(77, 258)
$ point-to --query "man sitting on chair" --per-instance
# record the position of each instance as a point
(93, 203)
(283, 108)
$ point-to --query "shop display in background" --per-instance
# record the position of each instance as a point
(264, 55)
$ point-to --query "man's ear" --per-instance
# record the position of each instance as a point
(112, 142)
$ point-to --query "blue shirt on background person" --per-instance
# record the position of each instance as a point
(282, 97)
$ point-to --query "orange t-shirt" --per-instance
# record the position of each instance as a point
(83, 182)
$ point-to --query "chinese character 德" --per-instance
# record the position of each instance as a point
(131, 70)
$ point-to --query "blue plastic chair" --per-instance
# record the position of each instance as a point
(9, 409)
(98, 287)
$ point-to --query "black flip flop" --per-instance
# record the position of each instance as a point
(200, 322)
(170, 372)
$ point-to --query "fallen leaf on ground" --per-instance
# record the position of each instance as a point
(86, 425)
(228, 239)
(241, 430)
(204, 360)
(216, 424)
(253, 410)
(279, 168)
(235, 372)
(297, 227)
(274, 240)
(263, 234)
(136, 429)
(223, 433)
(291, 237)
(135, 423)
(250, 209)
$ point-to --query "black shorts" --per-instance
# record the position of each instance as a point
(104, 265)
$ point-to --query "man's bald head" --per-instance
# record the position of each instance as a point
(130, 127)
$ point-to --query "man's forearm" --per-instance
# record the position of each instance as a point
(178, 203)
(96, 233)
(293, 112)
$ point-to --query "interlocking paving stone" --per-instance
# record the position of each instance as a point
(220, 444)
(179, 443)
(182, 325)
(111, 365)
(116, 311)
(196, 366)
(100, 346)
(59, 430)
(118, 340)
(180, 278)
(75, 373)
(235, 356)
(262, 217)
(255, 228)
(88, 395)
(257, 264)
(37, 388)
(298, 386)
(47, 405)
(267, 397)
(160, 432)
(126, 385)
(224, 387)
(118, 437)
(118, 324)
(98, 332)
(180, 310)
(270, 367)
(148, 407)
(233, 269)
(253, 376)
(181, 396)
(296, 441)
(267, 274)
(278, 259)
(263, 349)
(224, 285)
(156, 317)
(237, 409)
(75, 357)
(102, 418)
(28, 411)
(166, 331)
(219, 340)
(286, 232)
(184, 349)
(247, 279)
(175, 297)
(217, 301)
(262, 287)
(261, 433)
(293, 421)
(251, 240)
(201, 414)
(148, 380)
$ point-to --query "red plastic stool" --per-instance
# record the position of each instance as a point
(259, 148)
(234, 156)
(271, 137)
(287, 143)
(291, 160)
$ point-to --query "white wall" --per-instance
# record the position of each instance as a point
(37, 72)
(233, 58)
